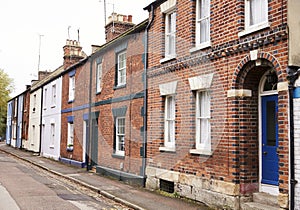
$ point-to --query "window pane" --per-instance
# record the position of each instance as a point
(204, 30)
(271, 125)
(170, 33)
(204, 8)
(203, 21)
(121, 68)
(203, 120)
(258, 11)
(121, 143)
(171, 131)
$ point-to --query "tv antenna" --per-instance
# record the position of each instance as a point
(40, 43)
(113, 5)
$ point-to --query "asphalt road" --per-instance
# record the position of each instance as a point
(24, 186)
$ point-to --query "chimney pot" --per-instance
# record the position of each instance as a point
(130, 18)
(120, 18)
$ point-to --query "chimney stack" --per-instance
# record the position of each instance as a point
(72, 53)
(117, 24)
(43, 74)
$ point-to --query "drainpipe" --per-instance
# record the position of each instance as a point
(89, 131)
(293, 74)
(145, 98)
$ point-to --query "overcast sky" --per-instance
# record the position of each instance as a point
(22, 23)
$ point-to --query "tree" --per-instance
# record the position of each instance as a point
(6, 88)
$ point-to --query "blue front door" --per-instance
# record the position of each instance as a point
(269, 140)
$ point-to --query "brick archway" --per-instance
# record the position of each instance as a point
(246, 64)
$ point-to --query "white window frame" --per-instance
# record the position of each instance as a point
(52, 135)
(70, 140)
(45, 98)
(121, 68)
(169, 122)
(33, 135)
(16, 107)
(14, 130)
(264, 23)
(119, 150)
(34, 103)
(53, 96)
(170, 35)
(98, 77)
(199, 20)
(203, 132)
(72, 88)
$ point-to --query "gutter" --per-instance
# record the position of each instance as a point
(293, 74)
(145, 78)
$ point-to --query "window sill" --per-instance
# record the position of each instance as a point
(119, 87)
(69, 149)
(201, 152)
(168, 58)
(200, 47)
(253, 29)
(118, 156)
(167, 149)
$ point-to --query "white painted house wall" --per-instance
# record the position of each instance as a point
(8, 122)
(34, 121)
(297, 145)
(51, 119)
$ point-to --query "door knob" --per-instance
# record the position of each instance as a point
(265, 153)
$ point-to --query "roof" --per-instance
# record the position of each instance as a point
(56, 73)
(137, 28)
(155, 4)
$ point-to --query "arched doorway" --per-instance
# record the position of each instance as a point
(268, 133)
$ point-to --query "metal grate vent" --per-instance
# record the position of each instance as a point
(166, 186)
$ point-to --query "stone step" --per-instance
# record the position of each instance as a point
(257, 206)
(265, 198)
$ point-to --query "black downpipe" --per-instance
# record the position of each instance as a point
(89, 131)
(293, 74)
(145, 98)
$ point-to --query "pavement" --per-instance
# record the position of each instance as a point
(134, 197)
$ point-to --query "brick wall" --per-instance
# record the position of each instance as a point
(112, 97)
(74, 109)
(234, 120)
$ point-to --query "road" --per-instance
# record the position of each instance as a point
(24, 186)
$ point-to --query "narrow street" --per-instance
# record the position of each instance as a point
(24, 186)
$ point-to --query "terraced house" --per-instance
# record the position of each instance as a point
(218, 99)
(102, 104)
(117, 96)
(200, 100)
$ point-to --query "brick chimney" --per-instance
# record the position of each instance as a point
(72, 53)
(117, 24)
(43, 74)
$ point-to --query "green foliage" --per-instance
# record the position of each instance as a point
(6, 88)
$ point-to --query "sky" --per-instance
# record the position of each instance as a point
(33, 32)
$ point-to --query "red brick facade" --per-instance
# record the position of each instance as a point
(235, 119)
(113, 98)
(106, 106)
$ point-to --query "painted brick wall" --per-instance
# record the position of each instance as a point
(297, 147)
(74, 109)
(112, 97)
